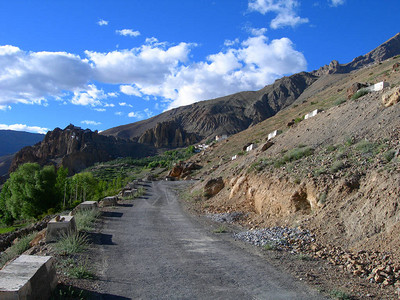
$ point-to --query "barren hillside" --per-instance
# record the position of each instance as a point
(336, 174)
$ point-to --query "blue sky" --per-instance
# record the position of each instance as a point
(99, 64)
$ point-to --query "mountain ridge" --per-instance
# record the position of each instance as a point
(234, 113)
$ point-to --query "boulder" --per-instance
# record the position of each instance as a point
(266, 146)
(213, 186)
(391, 97)
(176, 171)
(354, 88)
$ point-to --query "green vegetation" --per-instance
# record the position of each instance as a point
(71, 243)
(389, 155)
(269, 247)
(221, 229)
(359, 94)
(80, 271)
(337, 166)
(340, 295)
(17, 249)
(85, 219)
(33, 191)
(322, 198)
(69, 292)
(294, 154)
(340, 101)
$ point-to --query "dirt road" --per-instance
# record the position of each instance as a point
(154, 250)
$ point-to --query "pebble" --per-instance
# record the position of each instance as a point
(281, 237)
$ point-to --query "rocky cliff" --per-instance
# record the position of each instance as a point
(77, 149)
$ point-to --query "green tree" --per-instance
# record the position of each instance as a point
(29, 192)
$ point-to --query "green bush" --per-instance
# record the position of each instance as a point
(389, 155)
(365, 147)
(85, 219)
(337, 166)
(71, 243)
(294, 154)
(81, 271)
(359, 94)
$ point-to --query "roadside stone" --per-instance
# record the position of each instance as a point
(213, 186)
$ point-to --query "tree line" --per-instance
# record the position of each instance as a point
(33, 191)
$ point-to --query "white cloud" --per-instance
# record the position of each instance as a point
(32, 77)
(88, 122)
(90, 96)
(125, 104)
(137, 115)
(23, 127)
(284, 10)
(128, 32)
(230, 43)
(337, 2)
(118, 113)
(258, 31)
(148, 112)
(100, 109)
(102, 22)
(5, 107)
(130, 90)
(148, 64)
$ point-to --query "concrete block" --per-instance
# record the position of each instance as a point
(28, 277)
(234, 157)
(59, 226)
(108, 201)
(312, 114)
(88, 205)
(274, 134)
(129, 193)
(250, 148)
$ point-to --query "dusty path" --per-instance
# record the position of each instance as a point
(153, 250)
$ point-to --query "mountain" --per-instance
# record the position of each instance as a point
(77, 149)
(226, 115)
(11, 141)
(231, 114)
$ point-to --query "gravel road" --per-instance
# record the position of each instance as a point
(154, 250)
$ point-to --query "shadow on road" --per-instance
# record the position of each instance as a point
(98, 238)
(69, 292)
(125, 205)
(112, 214)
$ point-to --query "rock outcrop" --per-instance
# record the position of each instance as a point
(77, 149)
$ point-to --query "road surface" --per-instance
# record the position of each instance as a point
(154, 250)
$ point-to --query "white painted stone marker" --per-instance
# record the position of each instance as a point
(28, 277)
(59, 226)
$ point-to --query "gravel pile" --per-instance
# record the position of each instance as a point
(279, 237)
(227, 217)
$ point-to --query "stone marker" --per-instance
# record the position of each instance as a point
(108, 201)
(59, 226)
(28, 277)
(87, 205)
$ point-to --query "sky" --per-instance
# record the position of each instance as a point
(103, 63)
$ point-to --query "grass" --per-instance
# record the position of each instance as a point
(322, 198)
(389, 155)
(337, 166)
(81, 271)
(221, 229)
(269, 247)
(85, 219)
(365, 147)
(340, 295)
(359, 94)
(69, 292)
(17, 249)
(304, 257)
(71, 243)
(293, 155)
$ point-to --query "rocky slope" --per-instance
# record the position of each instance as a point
(336, 174)
(77, 149)
(231, 114)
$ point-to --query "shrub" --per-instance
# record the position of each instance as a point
(81, 271)
(337, 166)
(71, 243)
(359, 94)
(269, 246)
(365, 147)
(322, 198)
(340, 101)
(220, 229)
(388, 155)
(85, 219)
(294, 154)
